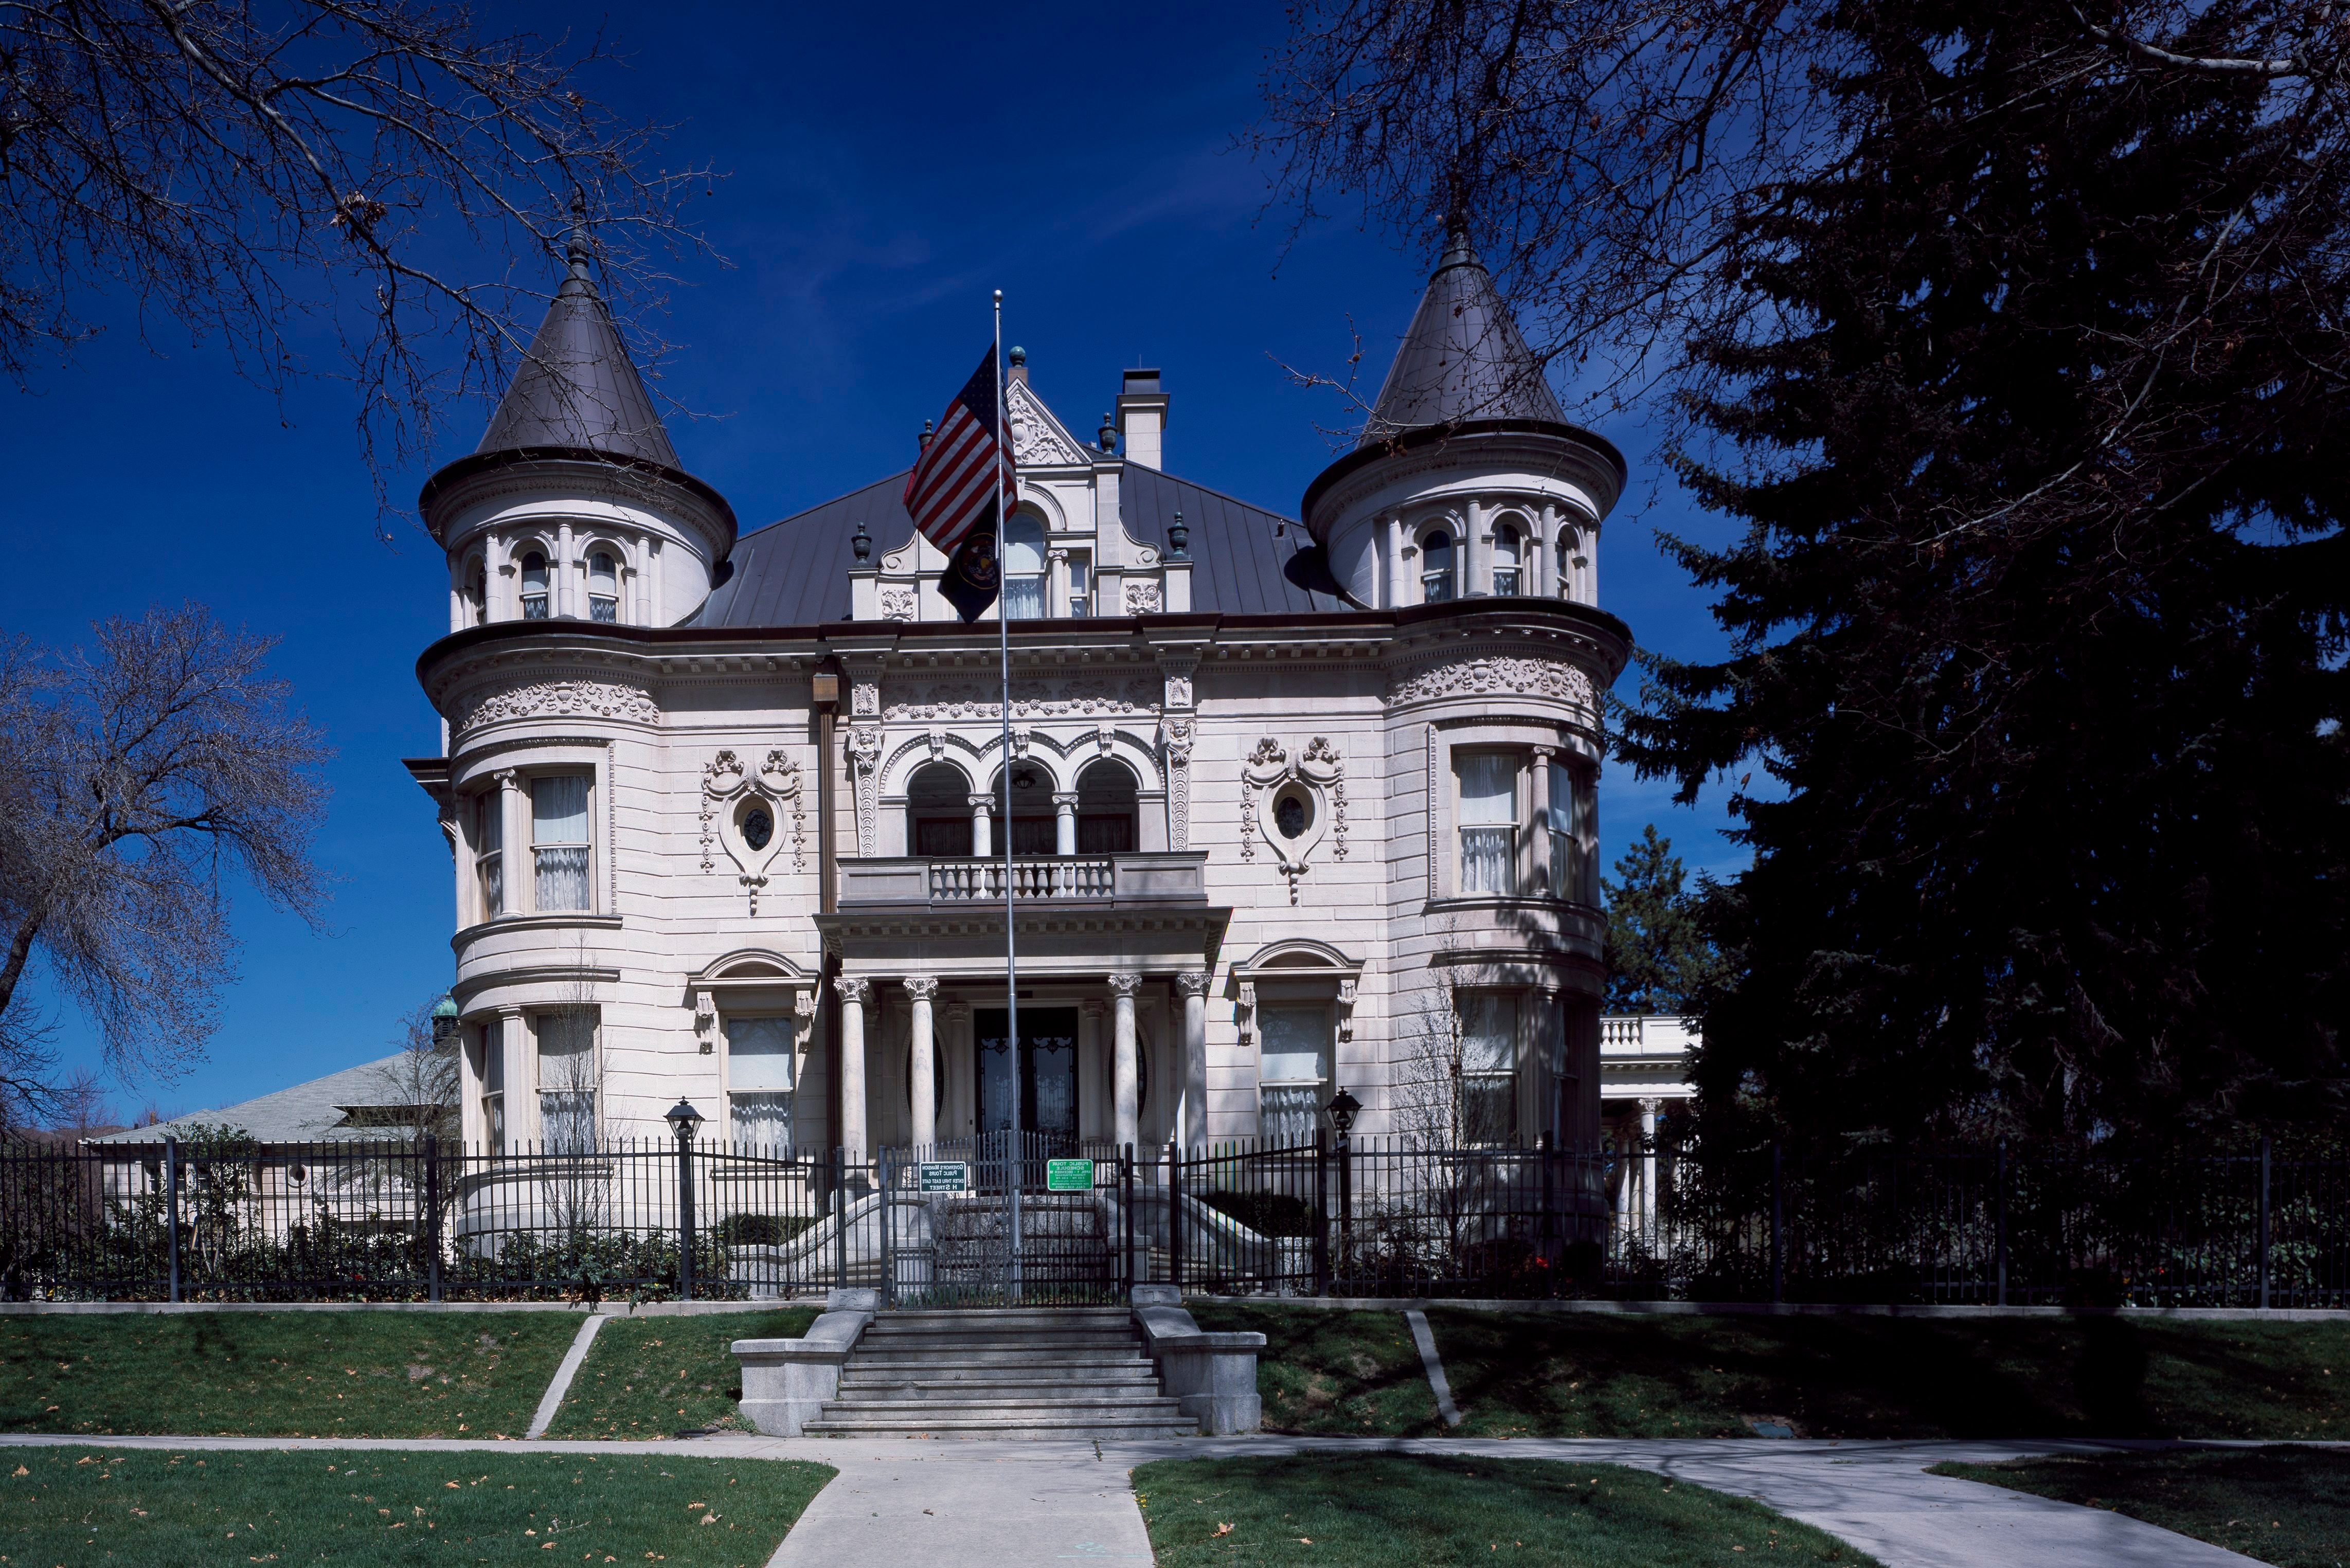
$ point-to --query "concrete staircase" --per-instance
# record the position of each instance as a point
(1038, 1372)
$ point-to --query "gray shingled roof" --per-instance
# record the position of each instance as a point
(1244, 559)
(305, 1113)
(1462, 359)
(577, 388)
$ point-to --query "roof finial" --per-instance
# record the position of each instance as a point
(1107, 437)
(1458, 252)
(1019, 355)
(576, 251)
(861, 542)
(1179, 540)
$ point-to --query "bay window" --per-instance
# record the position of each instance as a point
(759, 1060)
(1563, 822)
(1488, 821)
(1489, 1066)
(1294, 1069)
(567, 1080)
(490, 851)
(559, 841)
(493, 1083)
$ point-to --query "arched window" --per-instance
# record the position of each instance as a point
(1030, 816)
(1023, 569)
(1435, 566)
(1105, 809)
(534, 605)
(938, 813)
(603, 588)
(1569, 567)
(1509, 559)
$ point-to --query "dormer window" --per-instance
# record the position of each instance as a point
(1023, 569)
(603, 588)
(1436, 566)
(1509, 559)
(535, 605)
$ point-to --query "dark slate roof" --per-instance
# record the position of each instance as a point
(1463, 358)
(577, 388)
(1244, 559)
(307, 1113)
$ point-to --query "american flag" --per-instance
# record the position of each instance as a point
(953, 487)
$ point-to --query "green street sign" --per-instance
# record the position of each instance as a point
(1068, 1176)
(942, 1176)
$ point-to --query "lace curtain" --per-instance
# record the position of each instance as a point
(1489, 1064)
(1488, 814)
(566, 1081)
(1291, 1072)
(558, 838)
(763, 1120)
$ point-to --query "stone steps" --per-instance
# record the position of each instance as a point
(1073, 1372)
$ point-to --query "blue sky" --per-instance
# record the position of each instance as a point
(885, 169)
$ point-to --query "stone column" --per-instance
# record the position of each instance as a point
(1536, 873)
(1399, 595)
(1065, 822)
(564, 593)
(1193, 988)
(1126, 1087)
(514, 833)
(1476, 554)
(1552, 565)
(983, 819)
(1089, 1067)
(920, 1076)
(959, 1095)
(1648, 1168)
(855, 992)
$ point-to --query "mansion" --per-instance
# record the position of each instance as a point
(1294, 803)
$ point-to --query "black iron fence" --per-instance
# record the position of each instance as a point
(980, 1222)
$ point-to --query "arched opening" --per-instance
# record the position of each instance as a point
(1435, 566)
(1509, 559)
(477, 593)
(1570, 565)
(1029, 816)
(535, 605)
(603, 588)
(1106, 823)
(1023, 568)
(938, 812)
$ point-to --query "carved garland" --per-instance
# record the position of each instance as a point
(1072, 699)
(552, 698)
(724, 779)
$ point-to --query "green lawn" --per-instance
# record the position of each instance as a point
(318, 1374)
(1385, 1511)
(1599, 1376)
(2288, 1506)
(358, 1509)
(655, 1376)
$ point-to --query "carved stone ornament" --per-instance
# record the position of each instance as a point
(1346, 1008)
(1038, 440)
(558, 698)
(865, 762)
(1178, 736)
(1322, 772)
(1083, 697)
(1245, 1014)
(897, 603)
(705, 1022)
(725, 783)
(1499, 676)
(1141, 596)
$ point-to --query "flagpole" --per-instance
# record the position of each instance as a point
(1011, 945)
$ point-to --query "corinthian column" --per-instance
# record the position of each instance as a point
(1125, 1082)
(1193, 989)
(855, 993)
(920, 989)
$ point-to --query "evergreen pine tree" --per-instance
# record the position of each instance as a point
(1659, 958)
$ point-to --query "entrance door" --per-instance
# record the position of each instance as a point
(1046, 1078)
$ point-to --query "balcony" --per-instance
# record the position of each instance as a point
(967, 883)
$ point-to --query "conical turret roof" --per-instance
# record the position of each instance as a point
(578, 389)
(1462, 360)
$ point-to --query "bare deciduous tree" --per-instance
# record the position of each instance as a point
(132, 777)
(245, 166)
(420, 1084)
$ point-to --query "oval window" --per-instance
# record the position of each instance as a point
(1292, 815)
(757, 828)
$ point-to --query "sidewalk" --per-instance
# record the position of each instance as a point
(1045, 1504)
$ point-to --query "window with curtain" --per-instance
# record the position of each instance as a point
(567, 1080)
(1435, 566)
(493, 1083)
(1566, 881)
(1509, 559)
(1023, 569)
(603, 588)
(1081, 593)
(1489, 1066)
(534, 604)
(1488, 822)
(759, 1059)
(490, 850)
(559, 841)
(1292, 1072)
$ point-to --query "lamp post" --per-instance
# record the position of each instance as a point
(1342, 1109)
(684, 1121)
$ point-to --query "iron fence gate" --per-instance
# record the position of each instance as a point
(949, 1215)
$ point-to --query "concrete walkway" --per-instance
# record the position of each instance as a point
(1035, 1504)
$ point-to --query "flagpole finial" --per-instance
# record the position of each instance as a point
(998, 296)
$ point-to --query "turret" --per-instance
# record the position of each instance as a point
(1468, 480)
(573, 505)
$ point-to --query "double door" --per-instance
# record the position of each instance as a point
(1041, 1073)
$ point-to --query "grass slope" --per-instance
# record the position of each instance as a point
(652, 1377)
(1333, 1373)
(83, 1506)
(321, 1374)
(1396, 1512)
(2288, 1506)
(1587, 1374)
